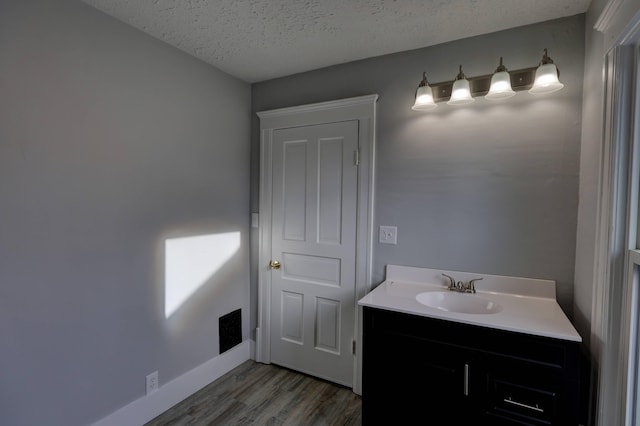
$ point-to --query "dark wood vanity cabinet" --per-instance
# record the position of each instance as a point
(419, 370)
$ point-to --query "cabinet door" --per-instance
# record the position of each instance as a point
(445, 375)
(417, 381)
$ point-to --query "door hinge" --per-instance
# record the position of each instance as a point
(353, 347)
(356, 157)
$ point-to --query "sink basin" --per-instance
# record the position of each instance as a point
(464, 303)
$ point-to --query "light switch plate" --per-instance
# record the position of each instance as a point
(388, 235)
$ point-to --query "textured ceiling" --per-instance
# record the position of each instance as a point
(257, 40)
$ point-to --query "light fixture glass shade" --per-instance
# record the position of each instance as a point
(546, 80)
(424, 99)
(500, 86)
(460, 93)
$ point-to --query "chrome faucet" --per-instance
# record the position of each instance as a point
(461, 287)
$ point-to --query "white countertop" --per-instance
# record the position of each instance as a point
(528, 305)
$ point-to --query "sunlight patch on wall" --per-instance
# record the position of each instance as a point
(191, 261)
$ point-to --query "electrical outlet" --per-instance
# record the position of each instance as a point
(388, 235)
(152, 382)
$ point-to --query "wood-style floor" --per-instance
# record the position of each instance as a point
(266, 394)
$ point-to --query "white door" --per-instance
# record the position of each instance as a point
(314, 211)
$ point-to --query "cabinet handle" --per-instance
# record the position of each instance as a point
(520, 404)
(466, 380)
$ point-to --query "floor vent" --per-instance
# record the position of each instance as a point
(230, 330)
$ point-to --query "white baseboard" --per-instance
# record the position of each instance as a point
(150, 406)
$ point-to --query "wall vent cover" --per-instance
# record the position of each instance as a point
(230, 330)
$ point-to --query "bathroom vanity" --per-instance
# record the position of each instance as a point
(504, 355)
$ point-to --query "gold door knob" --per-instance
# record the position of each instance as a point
(274, 264)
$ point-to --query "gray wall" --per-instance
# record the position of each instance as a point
(489, 188)
(110, 142)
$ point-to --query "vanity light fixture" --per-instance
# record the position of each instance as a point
(424, 96)
(460, 92)
(502, 84)
(546, 76)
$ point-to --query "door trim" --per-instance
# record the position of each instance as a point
(613, 315)
(362, 109)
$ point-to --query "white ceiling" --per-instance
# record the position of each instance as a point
(257, 40)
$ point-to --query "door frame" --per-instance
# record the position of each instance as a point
(362, 109)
